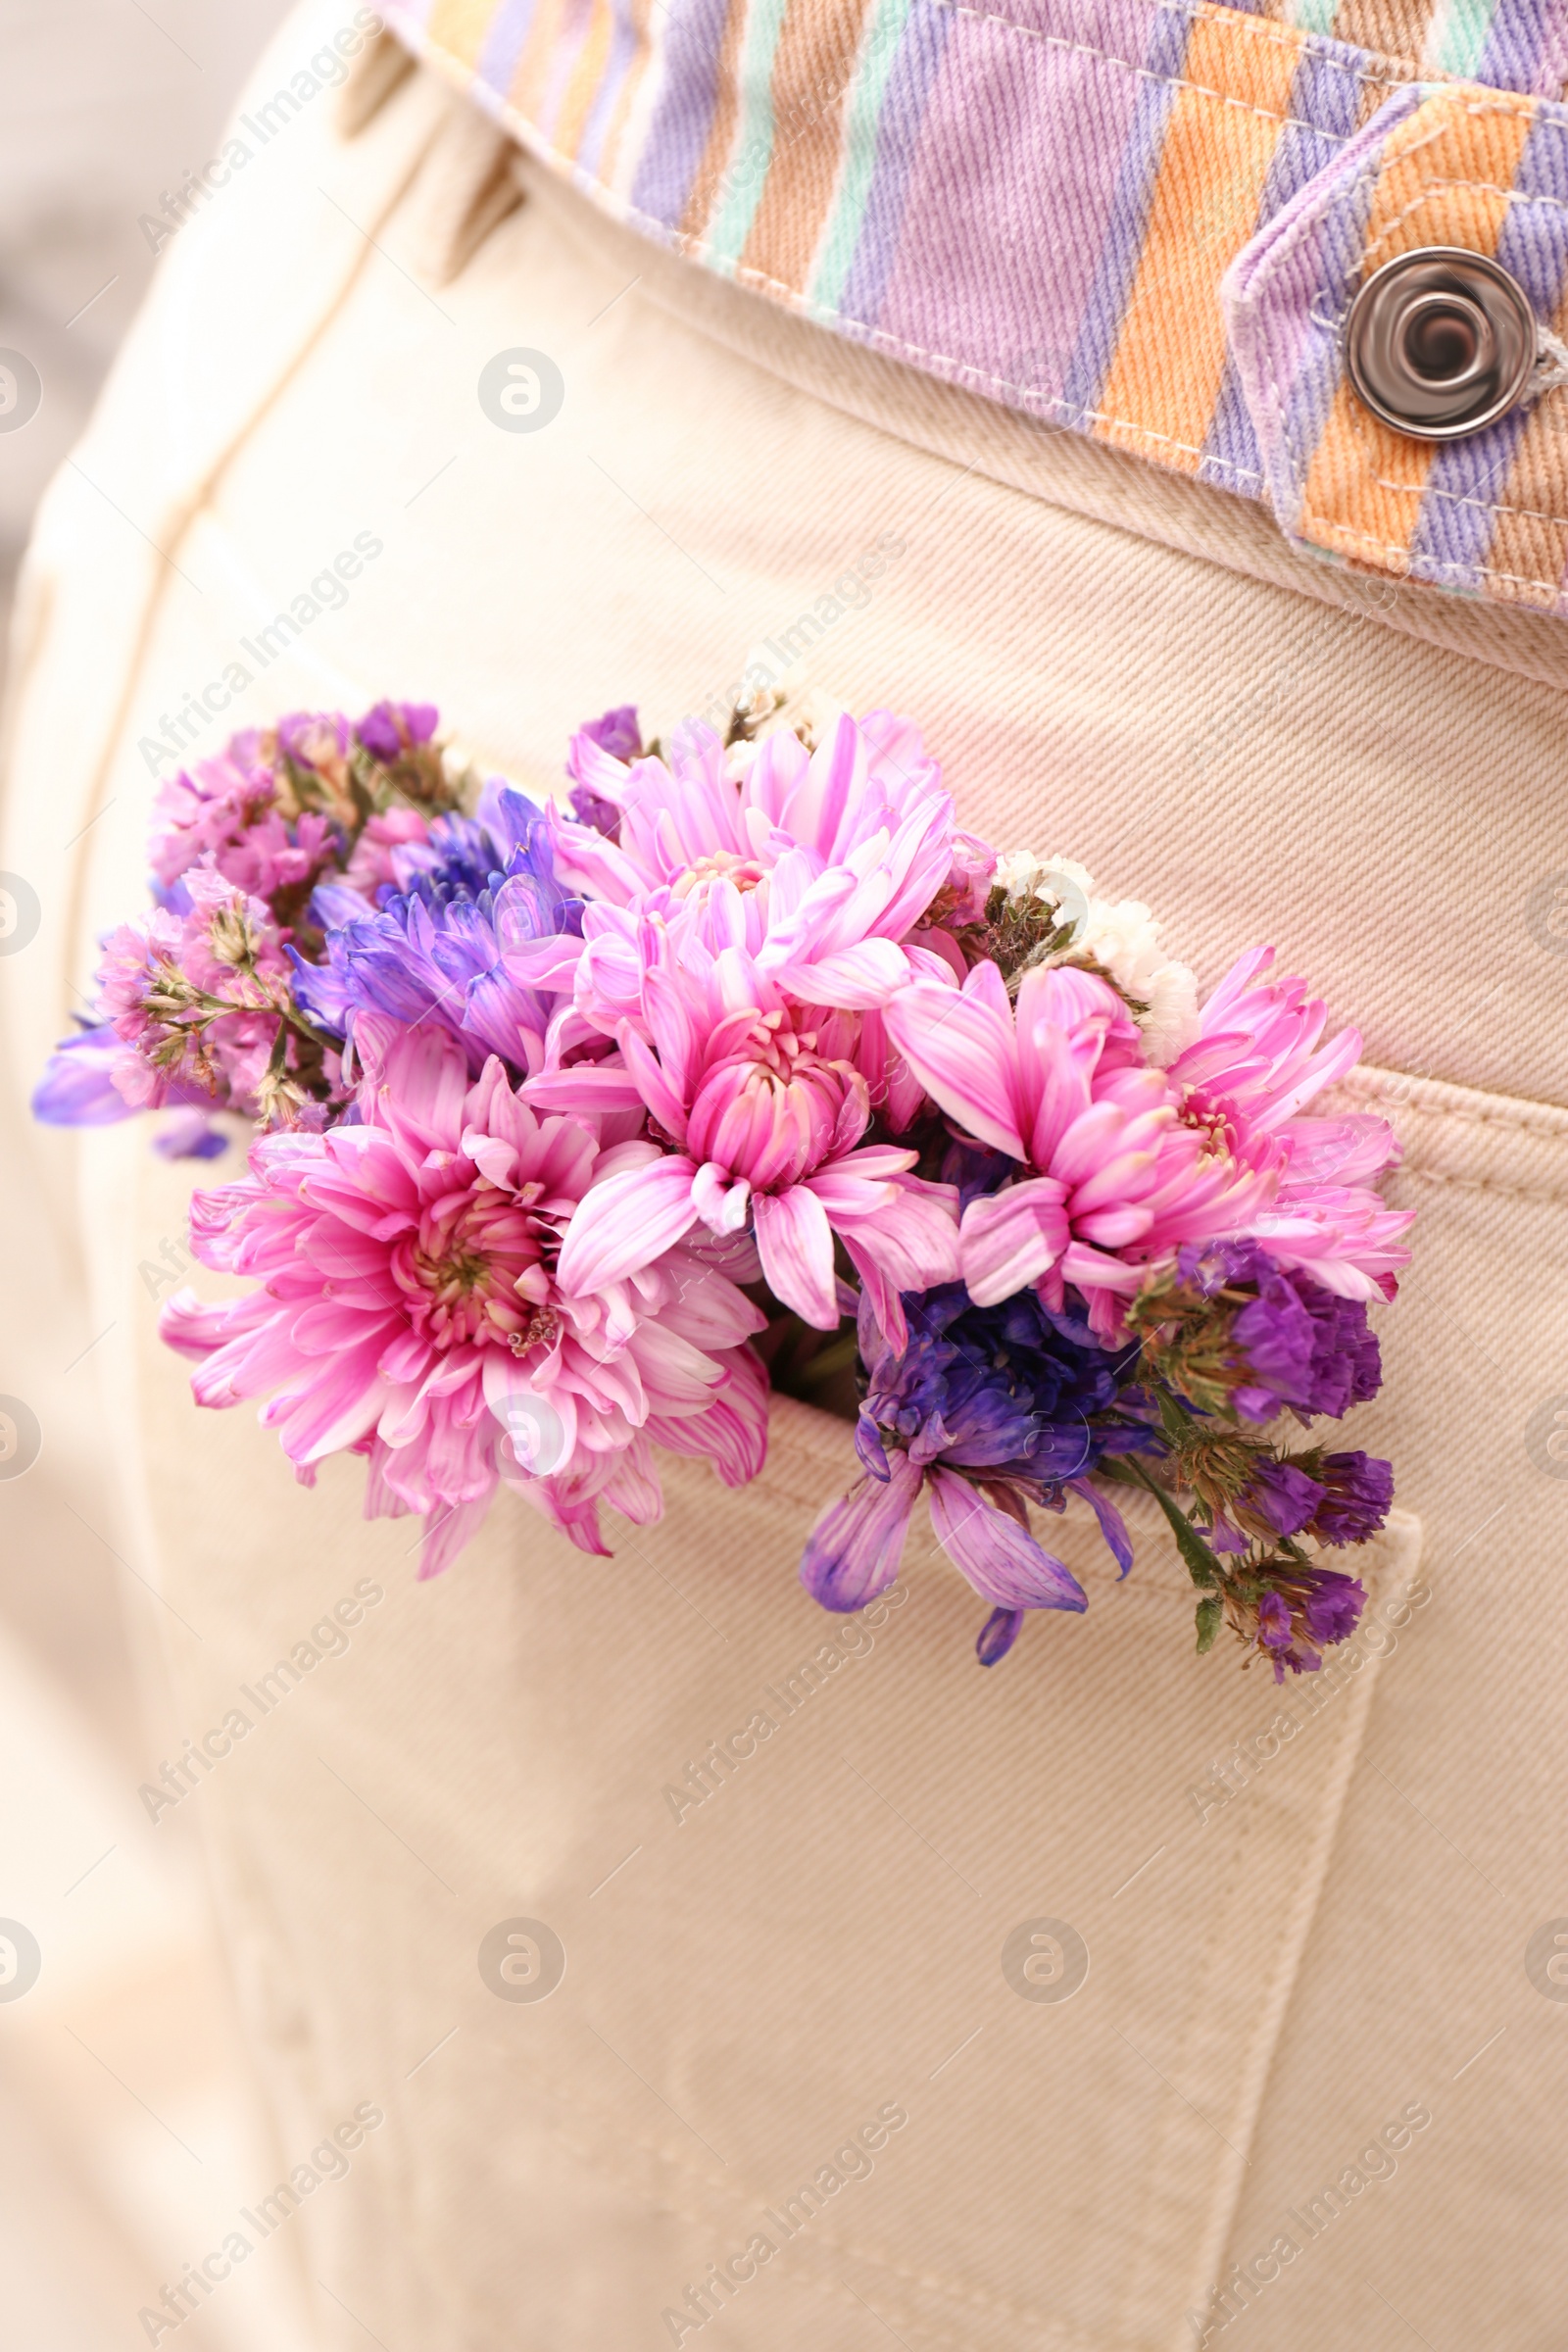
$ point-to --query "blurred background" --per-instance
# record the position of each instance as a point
(130, 2122)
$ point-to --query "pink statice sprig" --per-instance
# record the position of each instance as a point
(196, 1004)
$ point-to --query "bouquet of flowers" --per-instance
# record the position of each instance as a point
(575, 1121)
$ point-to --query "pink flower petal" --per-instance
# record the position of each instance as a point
(964, 1051)
(625, 1223)
(1009, 1238)
(795, 1242)
(853, 980)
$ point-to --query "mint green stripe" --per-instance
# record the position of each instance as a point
(1313, 16)
(863, 110)
(753, 144)
(1456, 42)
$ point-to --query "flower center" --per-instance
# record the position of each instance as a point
(541, 1330)
(472, 1274)
(1211, 1120)
(779, 1053)
(769, 1110)
(726, 865)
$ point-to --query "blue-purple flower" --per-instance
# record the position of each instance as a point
(441, 948)
(78, 1088)
(988, 1409)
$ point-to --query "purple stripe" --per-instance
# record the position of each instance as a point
(1326, 96)
(618, 65)
(925, 37)
(668, 165)
(1000, 241)
(1452, 538)
(1128, 218)
(1324, 272)
(502, 46)
(1519, 31)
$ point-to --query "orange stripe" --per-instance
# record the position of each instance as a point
(458, 26)
(1365, 484)
(628, 92)
(816, 56)
(531, 77)
(1171, 356)
(583, 85)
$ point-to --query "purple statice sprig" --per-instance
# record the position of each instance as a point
(1233, 1332)
(1232, 1341)
(1244, 1544)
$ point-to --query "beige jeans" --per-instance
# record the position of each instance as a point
(809, 2075)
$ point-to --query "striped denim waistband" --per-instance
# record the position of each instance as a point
(1141, 219)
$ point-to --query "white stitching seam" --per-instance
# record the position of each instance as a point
(1233, 20)
(1170, 82)
(532, 138)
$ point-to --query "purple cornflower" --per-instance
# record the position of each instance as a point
(440, 948)
(78, 1088)
(987, 1409)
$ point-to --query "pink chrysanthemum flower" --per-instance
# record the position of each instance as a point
(411, 1309)
(766, 1120)
(1254, 1066)
(817, 864)
(1113, 1180)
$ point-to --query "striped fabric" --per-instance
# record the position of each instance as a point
(1143, 218)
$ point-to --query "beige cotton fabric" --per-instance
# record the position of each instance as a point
(1306, 1913)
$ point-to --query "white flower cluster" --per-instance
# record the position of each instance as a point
(806, 712)
(1122, 937)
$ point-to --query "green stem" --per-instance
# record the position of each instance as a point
(1202, 1565)
(215, 1007)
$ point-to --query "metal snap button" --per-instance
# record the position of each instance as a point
(1441, 343)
